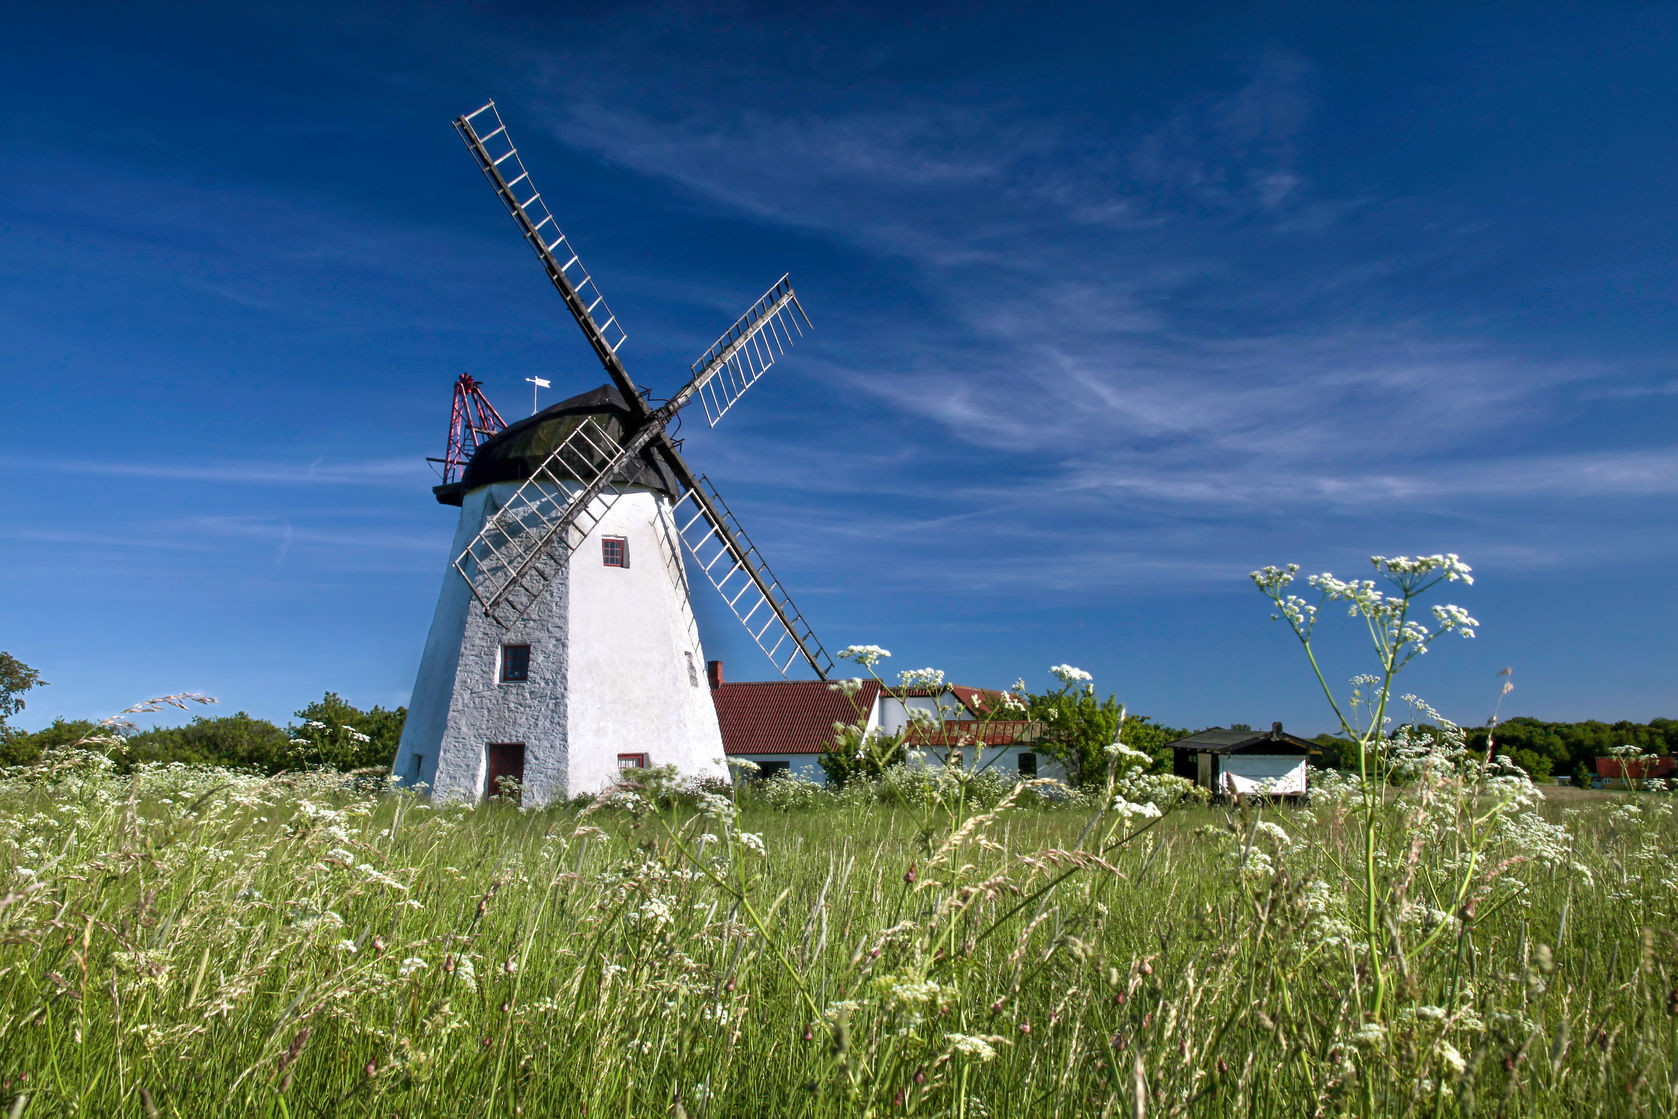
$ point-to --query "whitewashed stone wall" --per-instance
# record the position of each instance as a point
(632, 636)
(609, 656)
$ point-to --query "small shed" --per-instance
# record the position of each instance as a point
(1244, 762)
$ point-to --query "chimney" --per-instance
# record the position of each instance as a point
(1275, 730)
(713, 673)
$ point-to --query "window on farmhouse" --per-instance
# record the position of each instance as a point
(614, 551)
(1028, 764)
(515, 664)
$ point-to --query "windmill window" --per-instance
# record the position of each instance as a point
(515, 664)
(693, 673)
(614, 551)
(632, 761)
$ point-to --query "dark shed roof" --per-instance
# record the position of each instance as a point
(514, 454)
(1221, 741)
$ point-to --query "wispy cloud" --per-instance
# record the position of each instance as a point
(404, 472)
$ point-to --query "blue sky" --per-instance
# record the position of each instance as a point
(1110, 310)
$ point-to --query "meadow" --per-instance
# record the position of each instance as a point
(192, 941)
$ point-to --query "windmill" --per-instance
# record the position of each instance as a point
(548, 661)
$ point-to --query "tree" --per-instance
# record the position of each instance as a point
(855, 753)
(16, 678)
(1339, 752)
(26, 748)
(1077, 729)
(336, 734)
(1154, 739)
(237, 740)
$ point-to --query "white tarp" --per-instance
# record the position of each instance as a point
(1272, 775)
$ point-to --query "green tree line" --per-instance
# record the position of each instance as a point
(327, 732)
(1545, 750)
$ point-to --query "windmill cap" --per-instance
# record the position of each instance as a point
(514, 454)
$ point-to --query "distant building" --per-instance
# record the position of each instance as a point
(783, 726)
(1628, 773)
(1244, 762)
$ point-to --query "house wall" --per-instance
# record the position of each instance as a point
(807, 766)
(890, 714)
(1003, 759)
(1271, 774)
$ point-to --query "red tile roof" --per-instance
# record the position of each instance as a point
(954, 732)
(786, 716)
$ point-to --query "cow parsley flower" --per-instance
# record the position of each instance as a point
(971, 1045)
(922, 678)
(1127, 809)
(1068, 675)
(866, 655)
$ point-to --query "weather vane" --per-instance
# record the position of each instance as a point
(537, 384)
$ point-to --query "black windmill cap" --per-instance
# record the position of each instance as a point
(514, 454)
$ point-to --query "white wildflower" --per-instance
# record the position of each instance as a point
(1370, 1033)
(865, 655)
(921, 678)
(1128, 809)
(1068, 675)
(969, 1045)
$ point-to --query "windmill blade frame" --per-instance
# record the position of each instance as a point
(729, 560)
(746, 350)
(494, 151)
(523, 544)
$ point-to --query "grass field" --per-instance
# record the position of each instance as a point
(197, 942)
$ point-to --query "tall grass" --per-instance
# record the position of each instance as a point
(195, 942)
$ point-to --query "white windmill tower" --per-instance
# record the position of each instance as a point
(564, 646)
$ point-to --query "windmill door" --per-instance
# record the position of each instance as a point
(505, 760)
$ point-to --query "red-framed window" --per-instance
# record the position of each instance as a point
(515, 664)
(614, 551)
(632, 761)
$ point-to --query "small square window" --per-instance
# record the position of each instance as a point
(515, 664)
(1028, 764)
(632, 761)
(614, 551)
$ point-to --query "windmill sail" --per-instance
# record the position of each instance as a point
(505, 568)
(722, 550)
(747, 349)
(526, 542)
(486, 137)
